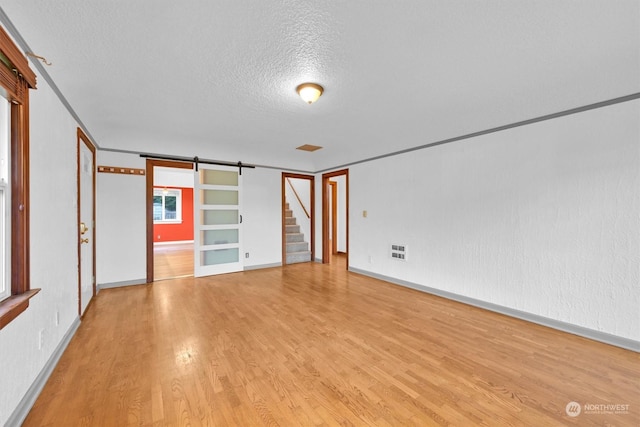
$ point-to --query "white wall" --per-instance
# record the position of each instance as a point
(121, 226)
(541, 218)
(262, 216)
(54, 250)
(172, 177)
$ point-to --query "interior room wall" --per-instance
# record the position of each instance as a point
(167, 177)
(54, 251)
(121, 224)
(262, 217)
(541, 218)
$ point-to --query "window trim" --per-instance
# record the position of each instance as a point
(17, 78)
(5, 198)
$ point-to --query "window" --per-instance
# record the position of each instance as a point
(167, 205)
(16, 78)
(5, 197)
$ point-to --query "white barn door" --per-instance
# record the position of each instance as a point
(218, 220)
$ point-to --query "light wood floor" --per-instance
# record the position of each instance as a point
(312, 345)
(171, 261)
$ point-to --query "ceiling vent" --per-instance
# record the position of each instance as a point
(308, 147)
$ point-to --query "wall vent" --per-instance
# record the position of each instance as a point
(399, 252)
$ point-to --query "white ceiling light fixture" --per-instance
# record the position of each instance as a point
(309, 92)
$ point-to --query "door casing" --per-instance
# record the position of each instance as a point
(83, 139)
(151, 163)
(334, 217)
(312, 238)
(326, 246)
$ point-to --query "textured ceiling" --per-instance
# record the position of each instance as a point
(217, 79)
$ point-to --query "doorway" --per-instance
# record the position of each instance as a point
(169, 219)
(298, 220)
(86, 180)
(335, 215)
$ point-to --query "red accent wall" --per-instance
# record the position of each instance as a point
(177, 232)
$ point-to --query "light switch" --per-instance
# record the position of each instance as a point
(364, 214)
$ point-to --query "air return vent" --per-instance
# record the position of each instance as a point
(399, 252)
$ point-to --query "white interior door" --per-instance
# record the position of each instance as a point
(87, 290)
(218, 221)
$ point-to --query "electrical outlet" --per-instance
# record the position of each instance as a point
(246, 255)
(57, 317)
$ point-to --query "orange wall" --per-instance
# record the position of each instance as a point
(177, 232)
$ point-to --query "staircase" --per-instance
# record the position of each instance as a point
(297, 249)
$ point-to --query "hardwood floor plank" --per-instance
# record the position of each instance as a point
(171, 261)
(311, 344)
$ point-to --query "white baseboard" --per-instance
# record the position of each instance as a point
(121, 284)
(604, 337)
(261, 266)
(22, 410)
(177, 242)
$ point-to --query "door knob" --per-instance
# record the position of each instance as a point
(84, 240)
(83, 228)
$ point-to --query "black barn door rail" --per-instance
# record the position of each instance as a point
(196, 160)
